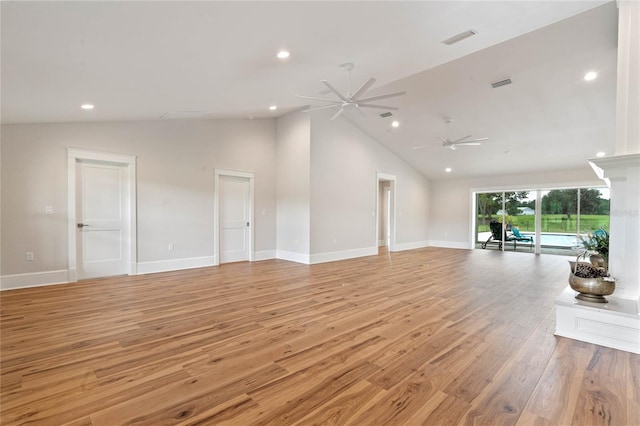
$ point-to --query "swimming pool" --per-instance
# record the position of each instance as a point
(557, 240)
(567, 241)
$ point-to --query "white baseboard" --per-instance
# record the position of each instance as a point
(448, 244)
(175, 264)
(411, 246)
(293, 256)
(264, 255)
(35, 279)
(343, 255)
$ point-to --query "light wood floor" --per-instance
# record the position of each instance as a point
(429, 336)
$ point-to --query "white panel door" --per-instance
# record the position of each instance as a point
(235, 210)
(103, 224)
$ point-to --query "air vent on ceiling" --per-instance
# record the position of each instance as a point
(184, 115)
(459, 37)
(501, 83)
(386, 114)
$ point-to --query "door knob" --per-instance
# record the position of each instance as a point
(82, 225)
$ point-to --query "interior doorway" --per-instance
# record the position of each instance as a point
(233, 221)
(102, 214)
(385, 212)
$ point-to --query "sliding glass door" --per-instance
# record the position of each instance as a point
(565, 215)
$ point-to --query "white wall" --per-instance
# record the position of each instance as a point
(293, 177)
(174, 184)
(450, 207)
(344, 186)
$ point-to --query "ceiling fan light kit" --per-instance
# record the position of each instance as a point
(352, 100)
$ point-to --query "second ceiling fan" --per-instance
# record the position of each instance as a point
(454, 144)
(352, 100)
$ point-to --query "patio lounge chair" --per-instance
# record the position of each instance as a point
(519, 237)
(496, 235)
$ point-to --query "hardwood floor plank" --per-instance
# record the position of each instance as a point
(429, 336)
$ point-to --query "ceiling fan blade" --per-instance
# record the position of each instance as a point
(364, 88)
(337, 114)
(419, 147)
(378, 106)
(476, 140)
(452, 147)
(317, 108)
(461, 139)
(443, 140)
(318, 99)
(390, 95)
(467, 143)
(333, 89)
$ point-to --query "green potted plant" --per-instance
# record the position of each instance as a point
(597, 244)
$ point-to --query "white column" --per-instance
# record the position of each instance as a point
(628, 87)
(622, 170)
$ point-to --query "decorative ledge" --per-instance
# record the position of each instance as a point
(615, 324)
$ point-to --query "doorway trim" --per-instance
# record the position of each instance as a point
(73, 156)
(384, 177)
(216, 210)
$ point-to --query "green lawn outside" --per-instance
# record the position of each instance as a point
(554, 223)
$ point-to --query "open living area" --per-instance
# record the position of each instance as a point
(349, 213)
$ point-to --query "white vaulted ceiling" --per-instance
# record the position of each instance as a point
(142, 60)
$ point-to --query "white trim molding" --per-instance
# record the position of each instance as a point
(293, 256)
(174, 264)
(343, 255)
(412, 245)
(34, 279)
(264, 255)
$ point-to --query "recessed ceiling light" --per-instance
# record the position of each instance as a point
(395, 123)
(448, 170)
(591, 75)
(601, 154)
(87, 106)
(283, 54)
(273, 108)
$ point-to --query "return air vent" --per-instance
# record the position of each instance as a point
(459, 37)
(386, 114)
(501, 83)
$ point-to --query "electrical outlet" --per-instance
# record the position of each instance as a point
(48, 210)
(29, 256)
(170, 247)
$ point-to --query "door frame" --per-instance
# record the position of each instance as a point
(73, 156)
(384, 177)
(216, 210)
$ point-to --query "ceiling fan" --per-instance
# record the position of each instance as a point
(351, 100)
(454, 144)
